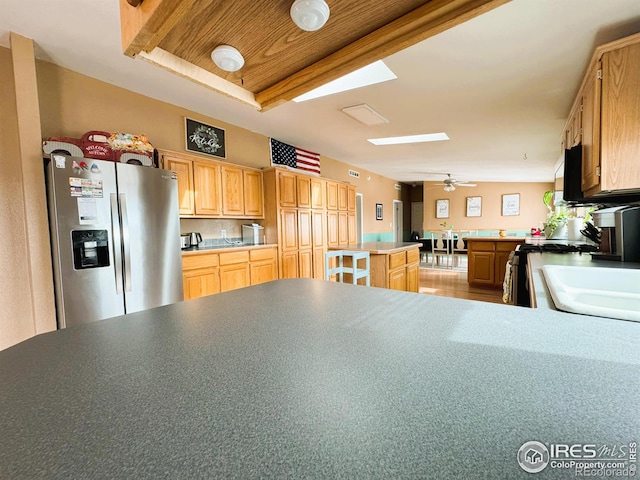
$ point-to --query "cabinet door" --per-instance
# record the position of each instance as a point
(343, 197)
(482, 268)
(332, 195)
(398, 279)
(620, 134)
(332, 228)
(319, 235)
(318, 193)
(412, 278)
(351, 200)
(184, 170)
(289, 264)
(352, 227)
(304, 229)
(303, 187)
(200, 282)
(343, 228)
(206, 178)
(289, 229)
(263, 271)
(253, 196)
(500, 267)
(318, 263)
(287, 184)
(305, 264)
(232, 191)
(234, 276)
(591, 133)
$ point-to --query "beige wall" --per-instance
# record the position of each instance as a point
(532, 210)
(72, 104)
(26, 287)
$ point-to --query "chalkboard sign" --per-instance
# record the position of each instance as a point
(203, 138)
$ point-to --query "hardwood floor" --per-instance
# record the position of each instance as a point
(453, 283)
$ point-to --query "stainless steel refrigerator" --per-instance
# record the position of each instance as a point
(115, 235)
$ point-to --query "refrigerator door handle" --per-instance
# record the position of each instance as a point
(117, 242)
(126, 242)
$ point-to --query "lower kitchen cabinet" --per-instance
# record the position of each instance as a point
(212, 272)
(200, 282)
(305, 264)
(488, 257)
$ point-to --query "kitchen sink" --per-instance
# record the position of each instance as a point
(603, 292)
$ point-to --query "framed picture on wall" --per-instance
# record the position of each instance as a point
(510, 204)
(442, 208)
(474, 206)
(378, 211)
(203, 138)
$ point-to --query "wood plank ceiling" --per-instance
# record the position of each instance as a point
(281, 61)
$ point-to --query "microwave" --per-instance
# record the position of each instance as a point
(253, 234)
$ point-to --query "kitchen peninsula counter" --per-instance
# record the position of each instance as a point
(394, 265)
(311, 379)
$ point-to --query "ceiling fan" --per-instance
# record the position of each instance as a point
(450, 184)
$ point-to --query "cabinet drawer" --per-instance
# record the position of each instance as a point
(506, 246)
(397, 260)
(234, 257)
(189, 262)
(483, 246)
(413, 255)
(262, 254)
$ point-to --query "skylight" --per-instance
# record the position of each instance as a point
(377, 72)
(427, 137)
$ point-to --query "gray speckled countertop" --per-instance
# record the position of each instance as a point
(311, 379)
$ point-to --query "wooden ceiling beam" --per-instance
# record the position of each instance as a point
(143, 27)
(426, 21)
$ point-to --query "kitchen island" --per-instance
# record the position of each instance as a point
(394, 265)
(312, 379)
(488, 258)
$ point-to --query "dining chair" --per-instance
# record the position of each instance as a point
(438, 251)
(459, 247)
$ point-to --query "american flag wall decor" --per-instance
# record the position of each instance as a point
(295, 158)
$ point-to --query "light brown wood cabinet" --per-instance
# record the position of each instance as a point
(207, 192)
(213, 272)
(396, 270)
(184, 171)
(607, 108)
(302, 216)
(210, 189)
(488, 258)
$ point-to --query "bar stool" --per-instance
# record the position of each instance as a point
(341, 269)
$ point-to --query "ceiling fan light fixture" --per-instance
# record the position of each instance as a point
(227, 58)
(309, 15)
(449, 188)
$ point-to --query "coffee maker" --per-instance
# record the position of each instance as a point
(620, 228)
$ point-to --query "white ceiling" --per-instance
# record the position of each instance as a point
(500, 86)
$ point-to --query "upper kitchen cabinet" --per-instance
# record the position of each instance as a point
(184, 171)
(607, 110)
(210, 189)
(232, 191)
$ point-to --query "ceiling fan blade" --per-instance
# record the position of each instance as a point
(465, 184)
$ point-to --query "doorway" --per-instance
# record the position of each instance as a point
(397, 221)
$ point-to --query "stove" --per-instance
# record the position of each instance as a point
(556, 248)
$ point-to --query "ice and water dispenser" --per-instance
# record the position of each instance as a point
(90, 248)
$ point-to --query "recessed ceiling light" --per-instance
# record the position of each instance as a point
(377, 72)
(365, 114)
(427, 137)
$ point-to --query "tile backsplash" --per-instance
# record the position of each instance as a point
(212, 228)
